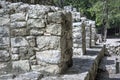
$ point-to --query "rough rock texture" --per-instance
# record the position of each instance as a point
(113, 47)
(35, 38)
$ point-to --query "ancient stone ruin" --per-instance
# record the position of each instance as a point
(35, 37)
(83, 31)
(38, 41)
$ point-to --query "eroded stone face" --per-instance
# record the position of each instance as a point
(18, 17)
(4, 41)
(4, 56)
(18, 24)
(4, 31)
(50, 42)
(54, 29)
(4, 20)
(55, 17)
(18, 41)
(35, 37)
(50, 56)
(39, 23)
(21, 65)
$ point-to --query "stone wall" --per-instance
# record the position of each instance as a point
(48, 2)
(113, 47)
(81, 40)
(35, 38)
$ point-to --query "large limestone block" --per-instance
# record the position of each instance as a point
(50, 69)
(37, 32)
(14, 6)
(19, 32)
(21, 24)
(48, 42)
(55, 17)
(15, 57)
(4, 31)
(31, 40)
(18, 42)
(54, 29)
(4, 41)
(37, 11)
(18, 17)
(50, 56)
(15, 50)
(4, 21)
(23, 8)
(34, 75)
(4, 55)
(39, 23)
(21, 65)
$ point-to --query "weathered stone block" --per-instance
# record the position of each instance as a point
(4, 41)
(36, 67)
(31, 40)
(34, 75)
(23, 8)
(26, 53)
(54, 29)
(55, 17)
(18, 17)
(50, 56)
(14, 6)
(23, 52)
(19, 32)
(15, 50)
(2, 12)
(48, 42)
(18, 24)
(4, 56)
(15, 57)
(50, 69)
(18, 42)
(36, 32)
(37, 11)
(39, 23)
(4, 21)
(21, 65)
(4, 31)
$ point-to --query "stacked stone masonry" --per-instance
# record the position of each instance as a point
(78, 37)
(35, 38)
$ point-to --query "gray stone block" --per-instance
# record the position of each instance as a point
(21, 65)
(18, 42)
(50, 42)
(4, 56)
(18, 17)
(54, 29)
(33, 23)
(4, 41)
(49, 56)
(4, 31)
(37, 32)
(19, 32)
(18, 24)
(55, 17)
(4, 21)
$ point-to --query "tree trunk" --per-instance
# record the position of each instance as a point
(105, 20)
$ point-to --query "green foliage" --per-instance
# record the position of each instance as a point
(93, 9)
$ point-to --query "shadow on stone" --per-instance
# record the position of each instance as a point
(80, 65)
